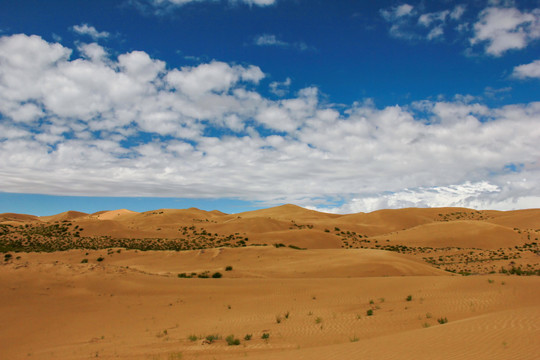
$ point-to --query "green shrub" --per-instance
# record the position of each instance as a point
(248, 337)
(204, 275)
(369, 312)
(212, 338)
(193, 337)
(265, 336)
(442, 320)
(101, 258)
(229, 268)
(232, 341)
(217, 275)
(409, 298)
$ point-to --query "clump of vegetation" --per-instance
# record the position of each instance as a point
(442, 320)
(84, 261)
(409, 298)
(101, 258)
(217, 275)
(212, 337)
(204, 275)
(369, 312)
(193, 337)
(265, 336)
(228, 268)
(232, 341)
(248, 337)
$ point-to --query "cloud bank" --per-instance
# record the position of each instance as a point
(128, 125)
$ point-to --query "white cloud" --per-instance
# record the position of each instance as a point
(130, 126)
(280, 88)
(409, 23)
(164, 5)
(531, 70)
(397, 12)
(272, 40)
(85, 29)
(504, 29)
(269, 40)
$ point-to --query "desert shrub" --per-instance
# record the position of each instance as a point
(409, 298)
(204, 275)
(192, 337)
(229, 268)
(318, 320)
(216, 275)
(265, 336)
(442, 320)
(369, 312)
(211, 338)
(101, 258)
(232, 341)
(248, 337)
(84, 261)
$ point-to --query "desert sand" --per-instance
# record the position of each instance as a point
(445, 283)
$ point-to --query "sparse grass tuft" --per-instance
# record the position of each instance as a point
(354, 338)
(318, 320)
(193, 337)
(174, 356)
(248, 337)
(409, 298)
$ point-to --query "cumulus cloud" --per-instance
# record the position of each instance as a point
(129, 125)
(85, 29)
(531, 70)
(504, 29)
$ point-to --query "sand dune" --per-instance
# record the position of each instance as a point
(367, 286)
(68, 215)
(465, 234)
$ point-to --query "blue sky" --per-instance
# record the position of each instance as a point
(341, 106)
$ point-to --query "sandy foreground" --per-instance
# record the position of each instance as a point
(295, 284)
(313, 304)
